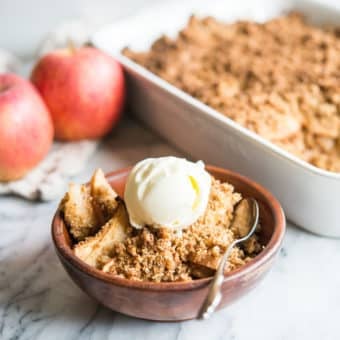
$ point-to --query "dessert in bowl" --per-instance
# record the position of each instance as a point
(118, 252)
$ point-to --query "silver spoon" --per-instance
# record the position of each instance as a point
(246, 219)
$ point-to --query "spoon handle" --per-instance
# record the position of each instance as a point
(214, 295)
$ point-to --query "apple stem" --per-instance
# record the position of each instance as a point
(71, 46)
(4, 88)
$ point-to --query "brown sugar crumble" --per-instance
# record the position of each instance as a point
(280, 79)
(163, 255)
(102, 236)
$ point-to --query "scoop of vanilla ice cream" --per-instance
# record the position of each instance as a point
(167, 192)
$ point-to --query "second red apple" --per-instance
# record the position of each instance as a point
(83, 89)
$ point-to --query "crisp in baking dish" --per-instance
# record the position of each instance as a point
(309, 195)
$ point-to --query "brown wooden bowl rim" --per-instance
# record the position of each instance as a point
(269, 251)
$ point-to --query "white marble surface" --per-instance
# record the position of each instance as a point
(299, 299)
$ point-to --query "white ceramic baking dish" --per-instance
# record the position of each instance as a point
(310, 196)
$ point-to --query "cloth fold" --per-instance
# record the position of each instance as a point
(47, 181)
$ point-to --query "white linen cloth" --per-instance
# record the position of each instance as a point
(48, 180)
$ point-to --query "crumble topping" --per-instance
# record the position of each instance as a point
(280, 79)
(156, 254)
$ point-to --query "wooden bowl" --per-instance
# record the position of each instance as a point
(175, 301)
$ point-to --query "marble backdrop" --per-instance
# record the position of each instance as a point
(299, 299)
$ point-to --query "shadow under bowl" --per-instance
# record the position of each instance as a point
(175, 301)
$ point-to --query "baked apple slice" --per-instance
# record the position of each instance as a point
(79, 213)
(93, 248)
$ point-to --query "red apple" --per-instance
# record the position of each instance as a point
(26, 130)
(83, 89)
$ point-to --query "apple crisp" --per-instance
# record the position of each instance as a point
(87, 208)
(158, 255)
(280, 79)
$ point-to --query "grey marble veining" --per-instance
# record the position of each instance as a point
(299, 299)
